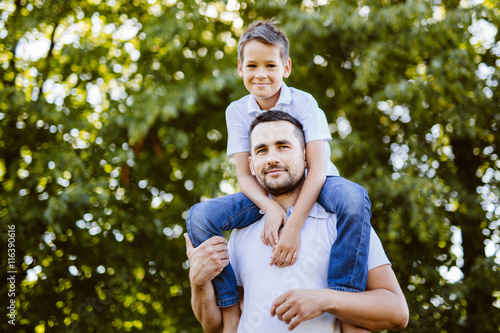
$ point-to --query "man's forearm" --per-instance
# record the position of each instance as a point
(374, 310)
(205, 307)
(383, 306)
(207, 261)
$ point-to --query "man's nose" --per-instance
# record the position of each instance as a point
(272, 157)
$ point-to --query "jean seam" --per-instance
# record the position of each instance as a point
(350, 290)
(224, 303)
(362, 240)
(241, 212)
(325, 198)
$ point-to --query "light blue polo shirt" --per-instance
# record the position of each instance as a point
(299, 104)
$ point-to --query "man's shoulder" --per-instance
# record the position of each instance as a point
(317, 211)
(246, 236)
(240, 232)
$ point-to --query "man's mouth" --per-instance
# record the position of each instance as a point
(273, 171)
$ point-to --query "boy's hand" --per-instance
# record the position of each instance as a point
(287, 250)
(275, 218)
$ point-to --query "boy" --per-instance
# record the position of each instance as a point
(263, 62)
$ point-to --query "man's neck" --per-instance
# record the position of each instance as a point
(287, 200)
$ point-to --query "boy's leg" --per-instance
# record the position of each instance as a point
(210, 218)
(348, 268)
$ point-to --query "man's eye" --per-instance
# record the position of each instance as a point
(283, 147)
(261, 151)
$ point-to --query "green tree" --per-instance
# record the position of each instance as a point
(112, 126)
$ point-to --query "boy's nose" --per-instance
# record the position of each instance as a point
(261, 76)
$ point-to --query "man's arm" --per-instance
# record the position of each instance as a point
(206, 262)
(382, 306)
(231, 318)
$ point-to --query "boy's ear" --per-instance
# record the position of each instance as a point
(250, 164)
(240, 68)
(288, 68)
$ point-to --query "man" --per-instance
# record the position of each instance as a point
(295, 297)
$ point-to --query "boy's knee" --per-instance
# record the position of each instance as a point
(204, 217)
(354, 191)
(196, 223)
(199, 213)
(355, 199)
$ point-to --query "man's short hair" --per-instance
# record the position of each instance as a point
(265, 31)
(270, 116)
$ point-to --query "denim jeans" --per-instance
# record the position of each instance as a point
(348, 267)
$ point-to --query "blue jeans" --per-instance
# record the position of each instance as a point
(348, 269)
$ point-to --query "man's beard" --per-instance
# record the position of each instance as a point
(277, 188)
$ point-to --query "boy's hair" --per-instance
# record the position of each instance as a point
(265, 31)
(269, 116)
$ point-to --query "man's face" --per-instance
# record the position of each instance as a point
(277, 157)
(263, 70)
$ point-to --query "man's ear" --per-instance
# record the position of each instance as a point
(250, 164)
(288, 68)
(305, 159)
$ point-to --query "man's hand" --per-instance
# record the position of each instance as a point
(287, 250)
(275, 217)
(207, 260)
(297, 305)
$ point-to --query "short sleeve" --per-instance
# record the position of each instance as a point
(237, 131)
(312, 118)
(233, 257)
(377, 256)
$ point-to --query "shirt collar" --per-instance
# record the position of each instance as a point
(317, 212)
(283, 103)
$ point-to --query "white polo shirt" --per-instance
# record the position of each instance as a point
(299, 104)
(262, 283)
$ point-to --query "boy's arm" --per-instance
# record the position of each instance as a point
(275, 215)
(382, 306)
(289, 241)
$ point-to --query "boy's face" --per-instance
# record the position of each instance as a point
(262, 70)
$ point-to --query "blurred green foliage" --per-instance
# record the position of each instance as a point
(112, 126)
